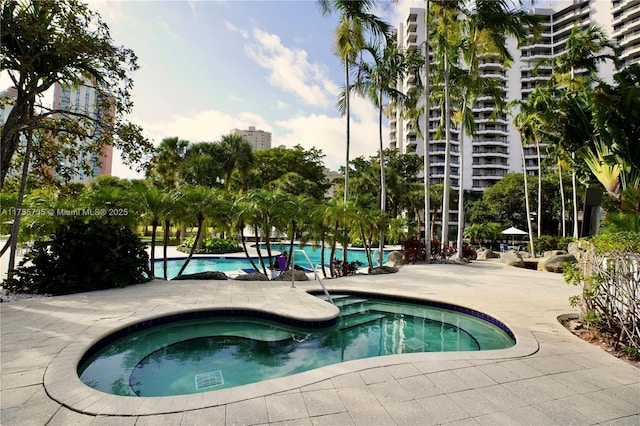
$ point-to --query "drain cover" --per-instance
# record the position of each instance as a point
(209, 380)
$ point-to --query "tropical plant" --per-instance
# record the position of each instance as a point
(151, 202)
(194, 205)
(163, 169)
(236, 156)
(355, 19)
(46, 43)
(202, 165)
(82, 256)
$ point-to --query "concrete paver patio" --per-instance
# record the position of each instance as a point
(549, 377)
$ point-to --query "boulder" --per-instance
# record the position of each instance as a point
(254, 276)
(396, 257)
(485, 253)
(512, 258)
(383, 270)
(207, 275)
(574, 249)
(556, 263)
(548, 255)
(286, 276)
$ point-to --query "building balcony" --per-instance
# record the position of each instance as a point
(498, 165)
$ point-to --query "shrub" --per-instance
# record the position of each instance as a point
(343, 269)
(414, 249)
(551, 242)
(608, 273)
(82, 257)
(211, 245)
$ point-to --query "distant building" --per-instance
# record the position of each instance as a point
(84, 98)
(258, 139)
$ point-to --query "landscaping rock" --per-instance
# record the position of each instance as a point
(485, 253)
(549, 254)
(512, 258)
(286, 276)
(574, 249)
(396, 257)
(383, 270)
(207, 275)
(556, 263)
(254, 276)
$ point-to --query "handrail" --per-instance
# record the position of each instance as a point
(375, 256)
(326, 292)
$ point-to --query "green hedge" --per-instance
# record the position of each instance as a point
(211, 245)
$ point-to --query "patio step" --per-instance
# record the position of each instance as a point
(355, 320)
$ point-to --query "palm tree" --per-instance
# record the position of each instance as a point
(152, 206)
(379, 80)
(165, 164)
(202, 164)
(236, 155)
(446, 42)
(194, 206)
(355, 19)
(531, 121)
(485, 32)
(584, 50)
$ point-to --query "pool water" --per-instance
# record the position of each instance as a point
(204, 354)
(236, 262)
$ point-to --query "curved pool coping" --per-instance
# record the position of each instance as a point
(62, 383)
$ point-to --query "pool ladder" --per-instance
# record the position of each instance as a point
(315, 272)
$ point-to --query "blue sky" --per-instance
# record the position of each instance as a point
(208, 67)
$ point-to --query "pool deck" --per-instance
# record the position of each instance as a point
(549, 377)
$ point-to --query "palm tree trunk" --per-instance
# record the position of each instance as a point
(447, 155)
(322, 245)
(526, 202)
(333, 251)
(460, 180)
(15, 228)
(383, 190)
(425, 139)
(154, 227)
(244, 247)
(539, 190)
(348, 117)
(562, 201)
(193, 247)
(165, 243)
(574, 185)
(260, 258)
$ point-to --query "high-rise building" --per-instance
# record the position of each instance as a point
(84, 99)
(258, 139)
(495, 150)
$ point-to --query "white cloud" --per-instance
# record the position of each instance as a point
(231, 27)
(329, 133)
(290, 69)
(110, 11)
(310, 131)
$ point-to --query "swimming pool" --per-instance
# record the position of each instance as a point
(236, 262)
(198, 352)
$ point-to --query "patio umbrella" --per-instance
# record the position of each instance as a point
(514, 231)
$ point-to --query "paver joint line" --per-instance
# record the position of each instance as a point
(554, 375)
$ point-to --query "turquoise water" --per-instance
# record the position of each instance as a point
(234, 263)
(199, 355)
